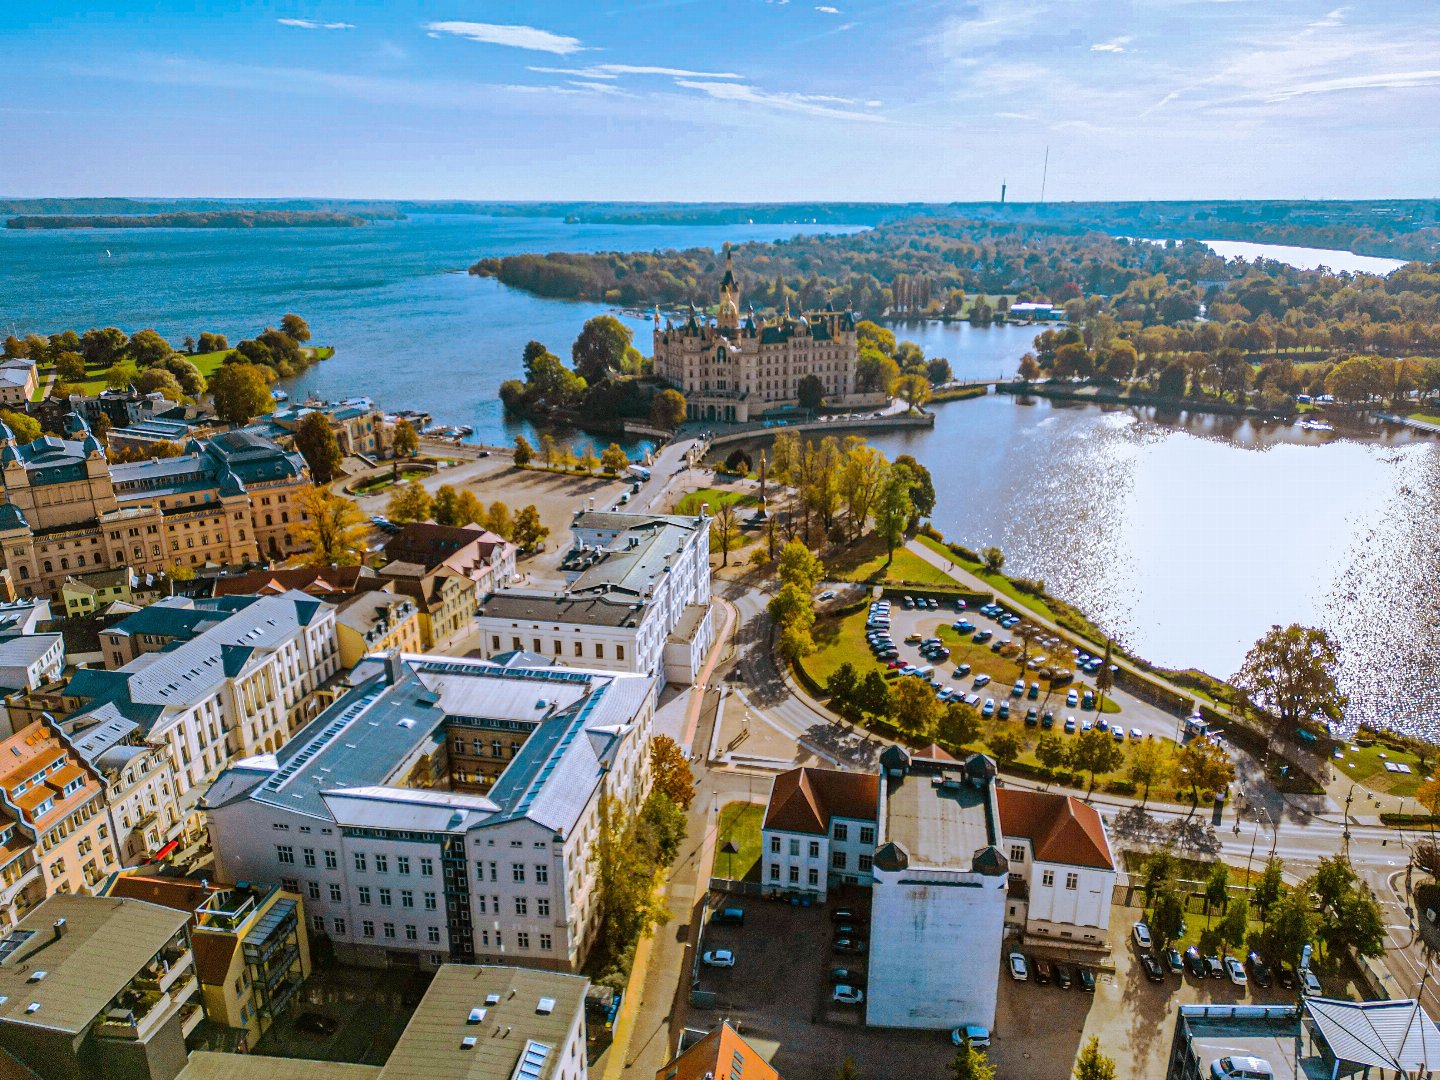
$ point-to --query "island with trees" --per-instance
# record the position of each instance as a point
(212, 219)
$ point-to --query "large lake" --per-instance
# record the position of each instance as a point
(1186, 537)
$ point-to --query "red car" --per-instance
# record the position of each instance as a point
(893, 664)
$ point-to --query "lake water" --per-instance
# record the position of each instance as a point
(1306, 258)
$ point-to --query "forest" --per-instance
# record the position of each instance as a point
(209, 219)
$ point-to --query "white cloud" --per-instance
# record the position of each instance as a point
(614, 71)
(1394, 80)
(515, 37)
(812, 104)
(1114, 45)
(827, 9)
(311, 24)
(1333, 18)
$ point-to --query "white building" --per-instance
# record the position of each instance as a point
(937, 916)
(819, 831)
(1062, 871)
(637, 599)
(367, 812)
(141, 792)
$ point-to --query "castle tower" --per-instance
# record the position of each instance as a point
(729, 317)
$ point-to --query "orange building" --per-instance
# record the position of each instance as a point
(721, 1055)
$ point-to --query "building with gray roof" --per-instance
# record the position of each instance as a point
(406, 849)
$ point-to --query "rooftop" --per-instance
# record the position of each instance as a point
(208, 1065)
(322, 581)
(489, 1023)
(1060, 828)
(632, 561)
(939, 815)
(804, 800)
(1381, 1034)
(105, 944)
(557, 607)
(721, 1055)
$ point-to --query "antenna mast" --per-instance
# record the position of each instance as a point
(1044, 174)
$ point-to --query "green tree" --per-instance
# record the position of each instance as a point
(625, 874)
(994, 560)
(893, 509)
(873, 694)
(24, 427)
(1051, 751)
(1159, 869)
(1095, 752)
(1235, 925)
(600, 348)
(1150, 763)
(241, 392)
(922, 491)
(810, 392)
(158, 379)
(915, 707)
(664, 820)
(1167, 915)
(331, 527)
(192, 383)
(1291, 674)
(408, 502)
(147, 348)
(1217, 889)
(445, 506)
(1349, 915)
(667, 410)
(1292, 925)
(316, 441)
(101, 348)
(841, 685)
(524, 452)
(862, 476)
(119, 376)
(971, 1064)
(498, 520)
(1092, 1064)
(212, 343)
(70, 366)
(528, 532)
(914, 390)
(1267, 890)
(1005, 747)
(794, 641)
(959, 724)
(670, 772)
(613, 459)
(799, 566)
(407, 440)
(296, 327)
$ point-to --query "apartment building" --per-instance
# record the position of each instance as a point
(379, 621)
(637, 598)
(141, 792)
(445, 570)
(819, 831)
(98, 987)
(372, 813)
(18, 381)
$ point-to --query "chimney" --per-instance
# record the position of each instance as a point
(394, 667)
(60, 925)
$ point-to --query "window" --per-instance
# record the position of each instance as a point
(842, 832)
(542, 874)
(318, 922)
(1017, 852)
(367, 928)
(427, 867)
(382, 864)
(360, 861)
(364, 893)
(313, 888)
(865, 863)
(522, 906)
(385, 897)
(814, 877)
(794, 849)
(814, 849)
(285, 854)
(599, 651)
(336, 896)
(522, 940)
(619, 652)
(837, 860)
(407, 898)
(330, 861)
(774, 845)
(545, 942)
(402, 864)
(1047, 878)
(432, 935)
(309, 856)
(289, 884)
(542, 906)
(794, 875)
(517, 873)
(390, 930)
(774, 871)
(430, 901)
(494, 871)
(412, 933)
(867, 834)
(1072, 881)
(339, 926)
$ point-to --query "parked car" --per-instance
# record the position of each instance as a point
(1043, 970)
(974, 1034)
(964, 626)
(847, 995)
(1087, 700)
(730, 916)
(1153, 971)
(1310, 985)
(1241, 1068)
(843, 915)
(1214, 967)
(314, 1023)
(1072, 699)
(849, 945)
(1018, 690)
(1174, 962)
(982, 636)
(1087, 980)
(845, 976)
(1047, 721)
(1236, 970)
(961, 670)
(1285, 974)
(913, 639)
(828, 594)
(981, 680)
(1033, 692)
(1032, 716)
(1259, 971)
(1019, 970)
(989, 709)
(845, 930)
(1195, 963)
(908, 602)
(1070, 726)
(718, 958)
(1063, 976)
(1004, 710)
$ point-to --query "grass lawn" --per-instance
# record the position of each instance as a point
(999, 582)
(1425, 418)
(380, 483)
(1367, 766)
(716, 497)
(865, 561)
(739, 825)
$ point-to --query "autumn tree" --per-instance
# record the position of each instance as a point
(970, 1063)
(296, 327)
(407, 440)
(915, 708)
(914, 390)
(1091, 1064)
(861, 479)
(993, 559)
(1095, 752)
(670, 772)
(498, 520)
(588, 461)
(1006, 747)
(1149, 764)
(241, 392)
(1291, 674)
(331, 526)
(444, 507)
(667, 410)
(527, 532)
(613, 459)
(24, 427)
(625, 877)
(524, 452)
(799, 566)
(409, 502)
(1204, 766)
(315, 439)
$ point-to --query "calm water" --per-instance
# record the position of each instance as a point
(408, 330)
(1306, 258)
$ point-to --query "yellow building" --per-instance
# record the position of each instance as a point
(377, 622)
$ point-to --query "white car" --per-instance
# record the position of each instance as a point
(1142, 935)
(978, 1036)
(1019, 970)
(847, 995)
(981, 680)
(1236, 970)
(828, 594)
(718, 958)
(1241, 1068)
(1072, 699)
(1136, 734)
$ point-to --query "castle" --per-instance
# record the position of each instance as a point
(736, 370)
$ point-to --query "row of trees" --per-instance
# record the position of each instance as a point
(553, 455)
(449, 506)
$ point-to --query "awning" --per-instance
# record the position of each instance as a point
(166, 851)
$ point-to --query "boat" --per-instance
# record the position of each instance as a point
(1316, 425)
(280, 396)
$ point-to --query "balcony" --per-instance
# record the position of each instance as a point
(12, 892)
(139, 1011)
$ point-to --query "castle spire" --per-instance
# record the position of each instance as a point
(729, 316)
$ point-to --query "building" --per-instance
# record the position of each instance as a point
(381, 813)
(252, 953)
(66, 509)
(330, 583)
(637, 598)
(819, 831)
(735, 369)
(474, 1023)
(87, 594)
(55, 834)
(379, 621)
(28, 661)
(445, 569)
(18, 381)
(98, 987)
(1320, 1037)
(1037, 312)
(141, 791)
(937, 914)
(359, 427)
(1062, 871)
(721, 1055)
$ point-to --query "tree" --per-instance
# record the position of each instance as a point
(445, 507)
(241, 392)
(101, 348)
(1092, 1064)
(1006, 747)
(296, 327)
(1167, 915)
(726, 526)
(937, 370)
(1051, 751)
(528, 532)
(1291, 674)
(916, 709)
(498, 520)
(549, 451)
(841, 685)
(600, 348)
(613, 459)
(524, 452)
(1267, 890)
(1350, 917)
(1029, 368)
(922, 491)
(994, 560)
(873, 694)
(588, 461)
(468, 509)
(1292, 925)
(1104, 679)
(407, 440)
(120, 375)
(670, 772)
(791, 604)
(24, 427)
(799, 566)
(316, 441)
(211, 343)
(959, 724)
(70, 366)
(625, 873)
(1150, 763)
(914, 390)
(1094, 751)
(971, 1064)
(667, 410)
(332, 527)
(738, 463)
(409, 502)
(664, 820)
(1159, 869)
(1205, 767)
(861, 479)
(810, 392)
(147, 348)
(192, 383)
(794, 641)
(893, 509)
(1236, 924)
(1217, 889)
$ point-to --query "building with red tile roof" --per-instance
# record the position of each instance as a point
(721, 1055)
(819, 831)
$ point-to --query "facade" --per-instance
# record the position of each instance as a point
(444, 569)
(27, 661)
(1062, 871)
(141, 790)
(379, 621)
(359, 427)
(18, 381)
(735, 370)
(87, 594)
(721, 1055)
(66, 509)
(937, 915)
(98, 987)
(637, 598)
(819, 831)
(406, 855)
(330, 583)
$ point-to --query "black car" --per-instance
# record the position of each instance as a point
(1063, 978)
(849, 945)
(843, 915)
(1195, 964)
(313, 1023)
(843, 976)
(1087, 980)
(1259, 970)
(1214, 967)
(1286, 975)
(1153, 971)
(1042, 970)
(982, 636)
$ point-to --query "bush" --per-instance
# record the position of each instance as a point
(960, 551)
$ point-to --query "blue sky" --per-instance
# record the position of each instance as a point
(721, 99)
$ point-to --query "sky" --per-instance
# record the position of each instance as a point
(733, 100)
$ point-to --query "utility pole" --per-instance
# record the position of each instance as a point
(1044, 174)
